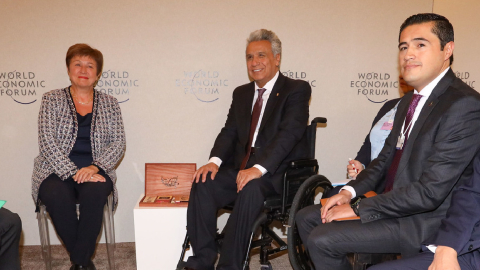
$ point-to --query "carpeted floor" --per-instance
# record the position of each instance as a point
(31, 258)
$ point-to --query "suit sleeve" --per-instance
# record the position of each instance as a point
(224, 144)
(455, 143)
(463, 216)
(291, 129)
(365, 152)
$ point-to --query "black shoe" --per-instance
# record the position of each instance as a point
(90, 266)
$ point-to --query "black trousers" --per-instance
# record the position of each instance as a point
(205, 200)
(78, 234)
(328, 244)
(10, 231)
(467, 261)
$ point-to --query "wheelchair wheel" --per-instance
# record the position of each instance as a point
(305, 196)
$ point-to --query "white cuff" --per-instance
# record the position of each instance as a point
(262, 169)
(215, 160)
(432, 248)
(349, 188)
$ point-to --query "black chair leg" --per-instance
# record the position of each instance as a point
(185, 246)
(265, 264)
(264, 248)
(362, 261)
(357, 265)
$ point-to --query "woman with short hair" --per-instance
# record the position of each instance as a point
(81, 140)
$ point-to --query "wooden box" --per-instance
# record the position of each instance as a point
(167, 179)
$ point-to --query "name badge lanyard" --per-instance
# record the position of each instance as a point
(401, 137)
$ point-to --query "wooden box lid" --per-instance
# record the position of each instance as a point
(168, 179)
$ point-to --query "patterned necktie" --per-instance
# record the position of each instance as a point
(257, 108)
(392, 171)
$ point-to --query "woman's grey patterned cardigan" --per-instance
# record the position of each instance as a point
(57, 133)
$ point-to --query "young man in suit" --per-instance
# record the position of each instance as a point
(427, 154)
(10, 231)
(265, 129)
(456, 244)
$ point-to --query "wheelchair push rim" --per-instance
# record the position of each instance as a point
(305, 196)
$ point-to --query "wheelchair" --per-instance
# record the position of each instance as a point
(276, 207)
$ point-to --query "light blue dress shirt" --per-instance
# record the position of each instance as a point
(379, 135)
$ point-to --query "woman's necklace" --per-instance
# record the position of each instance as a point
(80, 102)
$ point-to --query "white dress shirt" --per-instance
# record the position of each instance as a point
(268, 89)
(425, 93)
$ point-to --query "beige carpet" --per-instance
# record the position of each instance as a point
(31, 258)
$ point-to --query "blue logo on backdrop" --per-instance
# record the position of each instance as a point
(466, 78)
(299, 75)
(117, 84)
(204, 85)
(375, 86)
(20, 86)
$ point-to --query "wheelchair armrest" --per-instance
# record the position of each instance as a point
(322, 120)
(303, 163)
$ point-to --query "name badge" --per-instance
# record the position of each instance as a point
(387, 125)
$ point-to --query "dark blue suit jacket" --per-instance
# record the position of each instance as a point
(281, 137)
(436, 159)
(460, 229)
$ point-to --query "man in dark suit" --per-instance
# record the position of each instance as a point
(265, 129)
(10, 231)
(427, 154)
(456, 244)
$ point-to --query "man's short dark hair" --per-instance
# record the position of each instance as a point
(442, 28)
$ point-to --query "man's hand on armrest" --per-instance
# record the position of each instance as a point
(204, 170)
(445, 259)
(341, 198)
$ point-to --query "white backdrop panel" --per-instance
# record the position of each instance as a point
(154, 50)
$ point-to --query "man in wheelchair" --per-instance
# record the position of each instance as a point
(264, 130)
(428, 154)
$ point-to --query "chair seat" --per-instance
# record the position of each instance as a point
(273, 202)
